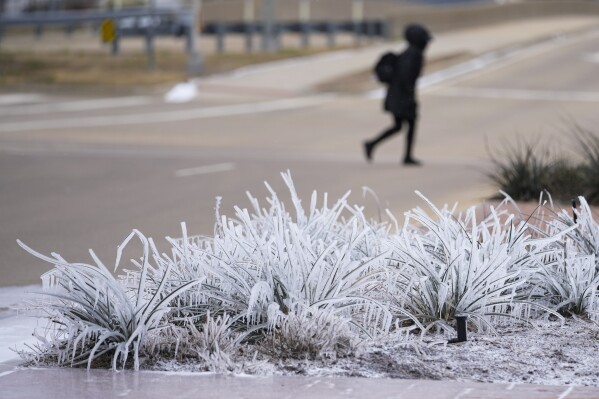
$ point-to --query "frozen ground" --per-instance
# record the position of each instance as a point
(547, 353)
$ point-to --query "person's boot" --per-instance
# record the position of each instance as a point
(409, 161)
(368, 148)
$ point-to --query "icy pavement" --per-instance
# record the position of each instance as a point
(16, 328)
(77, 383)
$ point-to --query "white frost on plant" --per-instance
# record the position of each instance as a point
(315, 282)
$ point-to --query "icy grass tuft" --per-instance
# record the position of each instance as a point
(568, 276)
(449, 265)
(287, 281)
(92, 314)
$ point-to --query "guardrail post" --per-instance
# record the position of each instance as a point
(116, 43)
(194, 61)
(385, 30)
(331, 31)
(306, 28)
(150, 46)
(370, 27)
(358, 33)
(221, 31)
(305, 24)
(277, 33)
(268, 39)
(249, 37)
(358, 19)
(187, 33)
(249, 19)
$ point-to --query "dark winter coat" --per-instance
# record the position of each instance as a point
(401, 94)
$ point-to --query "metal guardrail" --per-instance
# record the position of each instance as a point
(152, 22)
(70, 17)
(365, 28)
(370, 27)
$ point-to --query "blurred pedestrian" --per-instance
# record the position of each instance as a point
(404, 70)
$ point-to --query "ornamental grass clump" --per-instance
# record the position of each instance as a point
(525, 171)
(520, 171)
(266, 264)
(568, 277)
(92, 315)
(450, 265)
(588, 148)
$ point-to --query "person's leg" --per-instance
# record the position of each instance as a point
(369, 145)
(408, 159)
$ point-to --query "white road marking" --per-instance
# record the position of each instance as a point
(6, 373)
(168, 116)
(204, 170)
(518, 94)
(511, 386)
(565, 393)
(76, 106)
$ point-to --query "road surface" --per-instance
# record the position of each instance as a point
(79, 173)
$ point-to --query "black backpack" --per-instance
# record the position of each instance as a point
(386, 67)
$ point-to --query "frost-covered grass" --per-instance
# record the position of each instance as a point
(453, 264)
(568, 276)
(284, 281)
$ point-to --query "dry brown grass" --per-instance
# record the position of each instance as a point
(100, 71)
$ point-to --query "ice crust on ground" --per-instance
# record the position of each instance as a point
(546, 353)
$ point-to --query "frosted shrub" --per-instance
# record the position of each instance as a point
(568, 277)
(92, 315)
(272, 259)
(569, 285)
(448, 265)
(583, 234)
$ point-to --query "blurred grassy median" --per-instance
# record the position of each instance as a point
(125, 72)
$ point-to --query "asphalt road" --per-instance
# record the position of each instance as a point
(76, 173)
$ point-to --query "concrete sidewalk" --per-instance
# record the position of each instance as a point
(298, 76)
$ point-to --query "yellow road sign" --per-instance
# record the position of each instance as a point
(108, 30)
